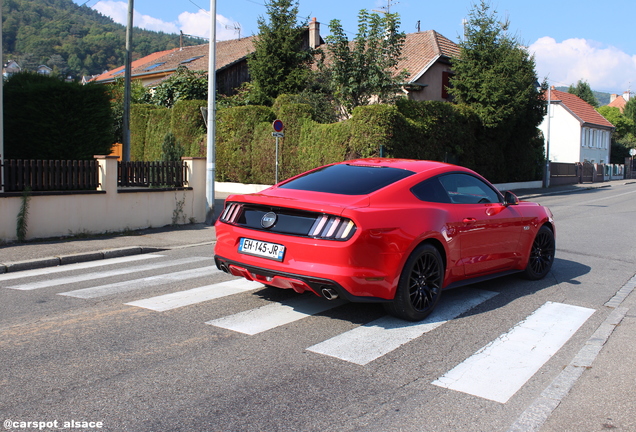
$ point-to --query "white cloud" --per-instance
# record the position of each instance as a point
(195, 24)
(605, 68)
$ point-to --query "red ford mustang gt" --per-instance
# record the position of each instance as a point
(383, 230)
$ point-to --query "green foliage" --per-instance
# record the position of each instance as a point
(495, 77)
(138, 94)
(366, 67)
(630, 112)
(184, 84)
(171, 149)
(279, 63)
(22, 221)
(72, 39)
(139, 119)
(156, 130)
(53, 119)
(235, 132)
(583, 90)
(188, 126)
(623, 137)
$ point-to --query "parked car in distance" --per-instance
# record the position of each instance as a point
(394, 231)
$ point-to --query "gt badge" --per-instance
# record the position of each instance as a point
(268, 220)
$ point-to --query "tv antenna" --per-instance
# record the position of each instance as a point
(237, 28)
(386, 9)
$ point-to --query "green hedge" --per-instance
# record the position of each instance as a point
(245, 148)
(47, 118)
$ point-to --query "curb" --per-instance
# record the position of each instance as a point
(75, 258)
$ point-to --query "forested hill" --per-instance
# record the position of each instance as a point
(73, 40)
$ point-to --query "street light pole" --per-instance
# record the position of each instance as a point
(546, 179)
(127, 78)
(211, 150)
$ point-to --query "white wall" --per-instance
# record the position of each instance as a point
(112, 211)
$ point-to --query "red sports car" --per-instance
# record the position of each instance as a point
(383, 230)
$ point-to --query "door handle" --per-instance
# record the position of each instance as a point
(469, 220)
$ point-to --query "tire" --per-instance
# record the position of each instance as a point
(420, 285)
(541, 255)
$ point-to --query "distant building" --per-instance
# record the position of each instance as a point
(577, 132)
(619, 102)
(11, 68)
(426, 57)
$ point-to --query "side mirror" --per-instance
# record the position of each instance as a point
(510, 199)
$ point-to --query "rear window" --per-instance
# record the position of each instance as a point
(348, 179)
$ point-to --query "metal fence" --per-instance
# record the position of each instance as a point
(151, 174)
(49, 175)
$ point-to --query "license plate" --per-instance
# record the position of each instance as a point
(262, 249)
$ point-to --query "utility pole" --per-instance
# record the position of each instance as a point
(127, 78)
(211, 154)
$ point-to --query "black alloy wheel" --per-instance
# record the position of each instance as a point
(541, 254)
(420, 285)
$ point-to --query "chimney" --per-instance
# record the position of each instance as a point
(613, 97)
(626, 96)
(314, 33)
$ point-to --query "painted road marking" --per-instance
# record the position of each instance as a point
(76, 266)
(501, 368)
(137, 284)
(274, 315)
(196, 295)
(377, 338)
(105, 274)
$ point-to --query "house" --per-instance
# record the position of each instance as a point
(426, 58)
(576, 132)
(231, 61)
(11, 68)
(44, 70)
(619, 102)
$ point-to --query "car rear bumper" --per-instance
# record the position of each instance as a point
(322, 287)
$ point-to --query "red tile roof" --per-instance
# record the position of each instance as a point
(579, 108)
(619, 103)
(422, 48)
(193, 57)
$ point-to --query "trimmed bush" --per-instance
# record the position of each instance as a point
(47, 118)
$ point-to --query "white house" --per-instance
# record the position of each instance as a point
(576, 132)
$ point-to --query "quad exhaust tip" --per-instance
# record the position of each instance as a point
(329, 293)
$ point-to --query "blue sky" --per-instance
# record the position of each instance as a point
(570, 40)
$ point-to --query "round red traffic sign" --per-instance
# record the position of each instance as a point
(278, 125)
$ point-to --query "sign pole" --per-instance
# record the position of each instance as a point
(278, 133)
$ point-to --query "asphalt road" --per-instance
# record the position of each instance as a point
(210, 358)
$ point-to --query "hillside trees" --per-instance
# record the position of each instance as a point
(34, 31)
(584, 91)
(495, 76)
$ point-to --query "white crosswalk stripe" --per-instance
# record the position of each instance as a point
(105, 274)
(196, 295)
(137, 284)
(501, 368)
(274, 315)
(377, 338)
(76, 266)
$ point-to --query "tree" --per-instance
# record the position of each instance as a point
(279, 64)
(184, 84)
(623, 137)
(583, 90)
(366, 68)
(495, 76)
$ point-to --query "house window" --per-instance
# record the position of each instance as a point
(445, 84)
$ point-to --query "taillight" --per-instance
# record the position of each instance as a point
(332, 227)
(231, 213)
